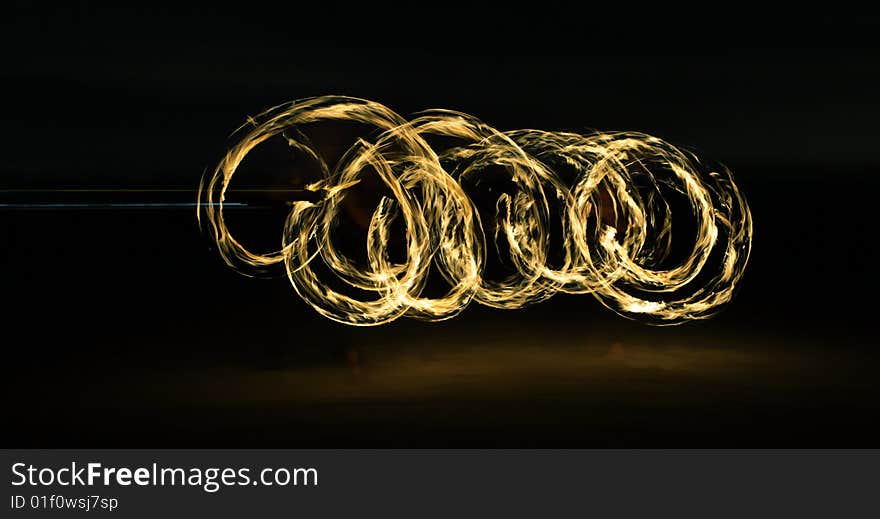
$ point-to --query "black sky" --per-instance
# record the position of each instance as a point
(97, 84)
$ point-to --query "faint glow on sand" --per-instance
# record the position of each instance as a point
(497, 368)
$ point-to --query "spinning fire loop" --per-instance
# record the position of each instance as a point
(579, 214)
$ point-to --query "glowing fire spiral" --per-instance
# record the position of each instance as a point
(586, 214)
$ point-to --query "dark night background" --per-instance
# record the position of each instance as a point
(122, 328)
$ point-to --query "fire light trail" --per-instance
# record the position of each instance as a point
(611, 191)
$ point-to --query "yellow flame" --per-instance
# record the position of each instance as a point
(611, 260)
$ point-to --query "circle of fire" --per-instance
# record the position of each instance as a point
(620, 263)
